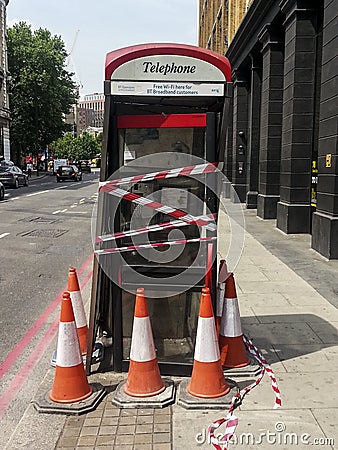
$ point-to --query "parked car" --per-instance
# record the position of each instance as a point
(2, 191)
(13, 176)
(85, 166)
(5, 163)
(70, 172)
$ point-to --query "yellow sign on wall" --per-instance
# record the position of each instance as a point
(328, 160)
(314, 181)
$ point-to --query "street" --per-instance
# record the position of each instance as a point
(45, 228)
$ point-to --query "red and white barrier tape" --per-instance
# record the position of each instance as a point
(231, 420)
(147, 229)
(137, 231)
(197, 169)
(262, 361)
(128, 248)
(203, 221)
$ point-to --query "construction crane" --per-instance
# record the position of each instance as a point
(70, 61)
(72, 116)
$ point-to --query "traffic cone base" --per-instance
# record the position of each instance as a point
(237, 357)
(144, 379)
(70, 381)
(72, 387)
(214, 384)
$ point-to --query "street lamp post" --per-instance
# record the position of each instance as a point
(36, 122)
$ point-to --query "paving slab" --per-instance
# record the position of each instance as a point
(327, 419)
(278, 274)
(36, 431)
(307, 357)
(190, 427)
(248, 312)
(250, 274)
(298, 391)
(269, 429)
(277, 429)
(315, 299)
(296, 313)
(329, 335)
(247, 315)
(292, 287)
(272, 299)
(284, 332)
(265, 260)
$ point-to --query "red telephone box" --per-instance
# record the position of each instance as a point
(165, 109)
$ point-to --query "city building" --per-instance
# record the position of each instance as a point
(5, 152)
(81, 119)
(219, 20)
(72, 119)
(94, 131)
(282, 148)
(92, 111)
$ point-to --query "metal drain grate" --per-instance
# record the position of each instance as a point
(39, 219)
(45, 233)
(88, 201)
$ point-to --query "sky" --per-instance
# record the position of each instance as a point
(91, 29)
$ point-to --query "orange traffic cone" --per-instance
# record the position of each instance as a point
(70, 380)
(207, 378)
(222, 276)
(208, 275)
(232, 348)
(144, 379)
(78, 308)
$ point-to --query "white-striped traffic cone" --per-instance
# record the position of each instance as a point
(232, 348)
(78, 308)
(70, 380)
(207, 378)
(222, 276)
(144, 379)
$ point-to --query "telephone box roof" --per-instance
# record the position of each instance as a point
(118, 57)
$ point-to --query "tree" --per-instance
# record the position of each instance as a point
(89, 146)
(99, 139)
(63, 147)
(42, 91)
(74, 149)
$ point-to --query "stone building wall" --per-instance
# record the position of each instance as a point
(219, 20)
(282, 149)
(4, 102)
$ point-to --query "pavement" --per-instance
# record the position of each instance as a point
(35, 176)
(288, 297)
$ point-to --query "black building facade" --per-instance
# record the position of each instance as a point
(282, 148)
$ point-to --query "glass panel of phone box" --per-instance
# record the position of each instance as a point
(173, 316)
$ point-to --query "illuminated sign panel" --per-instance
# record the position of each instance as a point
(166, 89)
(168, 68)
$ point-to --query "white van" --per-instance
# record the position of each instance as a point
(58, 163)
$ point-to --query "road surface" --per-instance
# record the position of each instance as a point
(44, 229)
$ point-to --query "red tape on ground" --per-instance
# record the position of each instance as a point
(231, 420)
